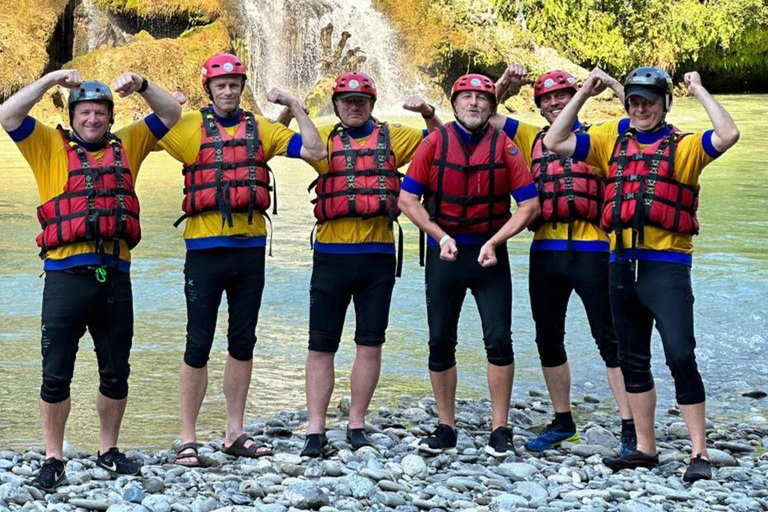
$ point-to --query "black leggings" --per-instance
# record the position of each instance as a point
(446, 286)
(661, 293)
(208, 274)
(553, 276)
(73, 301)
(336, 280)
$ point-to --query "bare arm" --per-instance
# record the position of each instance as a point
(559, 138)
(165, 106)
(526, 212)
(427, 111)
(284, 117)
(312, 147)
(726, 133)
(508, 85)
(410, 205)
(17, 107)
(613, 84)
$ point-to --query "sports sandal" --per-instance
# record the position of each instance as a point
(190, 447)
(238, 448)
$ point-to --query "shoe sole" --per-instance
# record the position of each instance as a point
(490, 451)
(575, 439)
(116, 473)
(62, 481)
(434, 451)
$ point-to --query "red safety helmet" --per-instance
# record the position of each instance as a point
(354, 84)
(222, 64)
(474, 82)
(553, 81)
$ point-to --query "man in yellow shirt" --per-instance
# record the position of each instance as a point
(569, 253)
(354, 251)
(90, 220)
(224, 151)
(650, 211)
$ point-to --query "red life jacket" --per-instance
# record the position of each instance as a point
(568, 189)
(229, 174)
(646, 177)
(362, 181)
(98, 203)
(472, 193)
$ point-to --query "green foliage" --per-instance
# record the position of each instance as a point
(712, 36)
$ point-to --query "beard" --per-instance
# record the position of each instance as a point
(472, 122)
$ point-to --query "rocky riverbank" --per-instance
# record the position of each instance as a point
(393, 477)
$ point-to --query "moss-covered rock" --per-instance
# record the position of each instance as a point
(195, 11)
(174, 64)
(27, 28)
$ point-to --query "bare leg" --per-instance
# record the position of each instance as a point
(643, 407)
(444, 387)
(54, 419)
(320, 376)
(194, 384)
(365, 377)
(237, 380)
(558, 379)
(111, 416)
(500, 380)
(695, 419)
(616, 382)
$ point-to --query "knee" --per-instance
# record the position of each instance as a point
(197, 353)
(114, 384)
(442, 354)
(54, 390)
(551, 353)
(498, 348)
(242, 350)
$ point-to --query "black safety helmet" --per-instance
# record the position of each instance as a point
(649, 83)
(91, 90)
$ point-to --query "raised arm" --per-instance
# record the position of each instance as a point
(312, 147)
(508, 85)
(427, 111)
(165, 106)
(559, 138)
(16, 108)
(726, 133)
(613, 84)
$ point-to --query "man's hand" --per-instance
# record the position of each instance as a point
(515, 75)
(69, 78)
(127, 84)
(418, 105)
(595, 83)
(180, 97)
(449, 251)
(693, 82)
(487, 257)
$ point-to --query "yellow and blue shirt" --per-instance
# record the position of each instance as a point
(692, 154)
(587, 237)
(353, 235)
(46, 152)
(206, 230)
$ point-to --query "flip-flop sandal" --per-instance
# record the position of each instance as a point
(238, 448)
(194, 455)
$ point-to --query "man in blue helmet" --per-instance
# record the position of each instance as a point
(650, 208)
(90, 222)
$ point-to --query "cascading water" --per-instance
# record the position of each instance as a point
(285, 49)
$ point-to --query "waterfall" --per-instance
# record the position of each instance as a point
(285, 49)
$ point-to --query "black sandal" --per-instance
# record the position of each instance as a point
(194, 455)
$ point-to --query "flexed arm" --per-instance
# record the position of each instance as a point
(508, 85)
(16, 108)
(312, 147)
(427, 111)
(165, 106)
(726, 133)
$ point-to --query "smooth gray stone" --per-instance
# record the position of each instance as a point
(673, 494)
(414, 466)
(507, 502)
(388, 485)
(153, 485)
(596, 434)
(134, 494)
(91, 504)
(638, 506)
(360, 486)
(305, 496)
(389, 499)
(719, 458)
(204, 504)
(463, 483)
(533, 491)
(157, 503)
(13, 493)
(377, 474)
(732, 473)
(588, 450)
(252, 489)
(734, 447)
(516, 470)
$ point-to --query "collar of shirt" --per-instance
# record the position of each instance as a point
(361, 131)
(229, 121)
(470, 139)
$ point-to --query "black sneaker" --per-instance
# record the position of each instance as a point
(51, 475)
(313, 446)
(358, 438)
(698, 469)
(442, 440)
(117, 463)
(500, 443)
(632, 460)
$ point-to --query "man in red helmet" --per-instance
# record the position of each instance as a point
(569, 254)
(90, 222)
(651, 201)
(224, 151)
(354, 250)
(468, 172)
